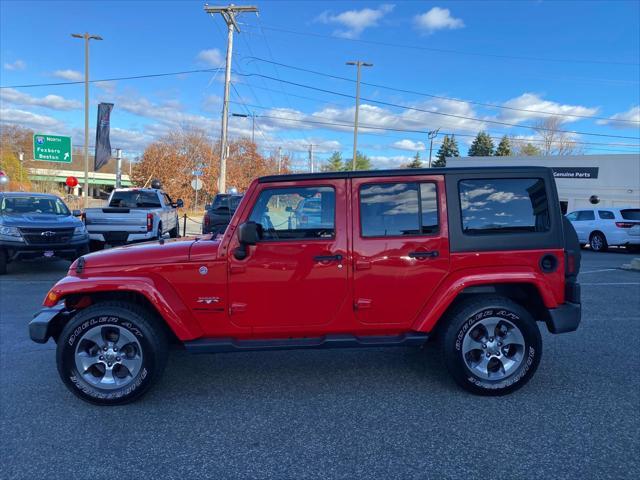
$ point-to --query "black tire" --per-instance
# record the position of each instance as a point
(95, 246)
(173, 233)
(159, 235)
(464, 318)
(136, 321)
(3, 261)
(600, 242)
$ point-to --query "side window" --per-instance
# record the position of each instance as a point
(606, 215)
(503, 205)
(585, 215)
(573, 216)
(296, 213)
(397, 209)
(167, 200)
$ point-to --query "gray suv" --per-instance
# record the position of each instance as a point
(38, 225)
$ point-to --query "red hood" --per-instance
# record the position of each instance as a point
(150, 253)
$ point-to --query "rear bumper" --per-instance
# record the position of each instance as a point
(565, 318)
(118, 238)
(46, 323)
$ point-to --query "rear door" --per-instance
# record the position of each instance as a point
(295, 279)
(400, 247)
(584, 224)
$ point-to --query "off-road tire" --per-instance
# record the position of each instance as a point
(464, 318)
(136, 321)
(3, 261)
(600, 242)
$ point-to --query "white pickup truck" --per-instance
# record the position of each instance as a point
(132, 215)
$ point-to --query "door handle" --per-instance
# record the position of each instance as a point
(327, 258)
(421, 255)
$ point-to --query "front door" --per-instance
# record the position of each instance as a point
(400, 247)
(295, 278)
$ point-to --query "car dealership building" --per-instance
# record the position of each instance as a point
(582, 180)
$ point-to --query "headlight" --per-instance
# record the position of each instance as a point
(81, 230)
(10, 232)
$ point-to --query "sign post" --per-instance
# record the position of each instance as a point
(52, 148)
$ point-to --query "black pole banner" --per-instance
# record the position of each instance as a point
(103, 143)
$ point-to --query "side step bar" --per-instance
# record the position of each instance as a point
(222, 345)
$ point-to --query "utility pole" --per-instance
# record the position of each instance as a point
(431, 135)
(279, 159)
(118, 168)
(86, 37)
(311, 157)
(21, 158)
(358, 64)
(229, 14)
(253, 123)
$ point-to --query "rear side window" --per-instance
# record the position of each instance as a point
(135, 199)
(630, 214)
(503, 205)
(296, 213)
(585, 215)
(398, 209)
(606, 215)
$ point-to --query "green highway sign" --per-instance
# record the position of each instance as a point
(51, 148)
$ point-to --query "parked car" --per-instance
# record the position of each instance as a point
(133, 215)
(38, 225)
(218, 214)
(603, 227)
(472, 258)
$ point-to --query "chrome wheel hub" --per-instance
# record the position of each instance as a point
(493, 348)
(108, 356)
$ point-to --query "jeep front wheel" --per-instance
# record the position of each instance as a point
(111, 353)
(491, 345)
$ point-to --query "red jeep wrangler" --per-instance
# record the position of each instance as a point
(471, 257)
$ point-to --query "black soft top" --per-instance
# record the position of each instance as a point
(404, 172)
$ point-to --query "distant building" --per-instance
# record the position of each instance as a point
(100, 184)
(612, 180)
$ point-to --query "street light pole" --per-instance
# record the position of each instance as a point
(357, 64)
(431, 135)
(86, 37)
(229, 14)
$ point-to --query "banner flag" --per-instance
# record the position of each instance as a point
(103, 143)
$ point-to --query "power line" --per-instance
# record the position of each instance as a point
(440, 97)
(443, 50)
(395, 105)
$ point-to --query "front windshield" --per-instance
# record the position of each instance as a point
(31, 204)
(135, 199)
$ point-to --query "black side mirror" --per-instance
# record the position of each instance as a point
(288, 209)
(76, 213)
(178, 203)
(248, 234)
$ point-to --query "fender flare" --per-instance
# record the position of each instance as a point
(155, 289)
(457, 281)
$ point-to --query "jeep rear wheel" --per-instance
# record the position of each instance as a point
(111, 353)
(491, 345)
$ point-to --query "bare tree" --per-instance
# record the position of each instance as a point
(555, 141)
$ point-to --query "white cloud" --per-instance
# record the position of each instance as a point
(355, 21)
(29, 119)
(108, 86)
(394, 161)
(532, 101)
(437, 19)
(407, 144)
(54, 102)
(17, 65)
(633, 115)
(71, 75)
(211, 57)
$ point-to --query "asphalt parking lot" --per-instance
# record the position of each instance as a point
(369, 413)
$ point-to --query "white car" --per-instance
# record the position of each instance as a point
(607, 226)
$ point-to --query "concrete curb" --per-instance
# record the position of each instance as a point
(634, 265)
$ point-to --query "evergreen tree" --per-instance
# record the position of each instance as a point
(449, 148)
(504, 148)
(530, 150)
(362, 162)
(482, 146)
(334, 164)
(416, 162)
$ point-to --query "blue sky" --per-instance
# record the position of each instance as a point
(564, 58)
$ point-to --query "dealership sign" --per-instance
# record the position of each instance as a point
(575, 172)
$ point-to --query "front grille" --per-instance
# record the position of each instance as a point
(46, 236)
